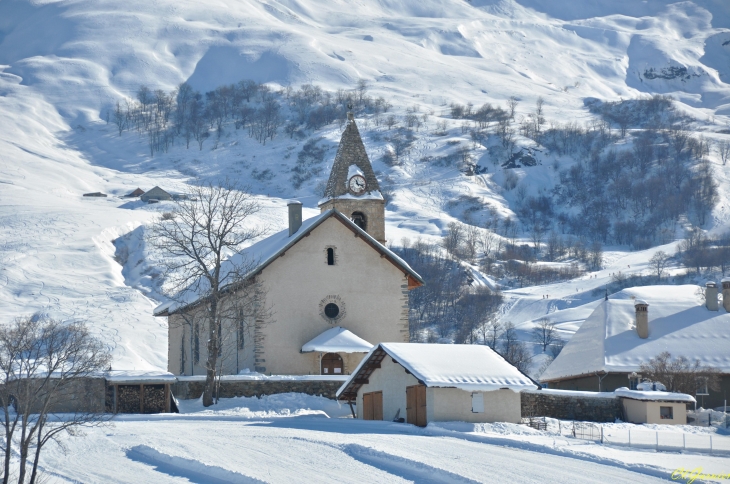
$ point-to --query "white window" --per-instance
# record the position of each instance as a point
(477, 402)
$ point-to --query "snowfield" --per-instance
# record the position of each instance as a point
(291, 438)
(65, 64)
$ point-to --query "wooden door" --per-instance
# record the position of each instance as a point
(332, 364)
(416, 405)
(372, 406)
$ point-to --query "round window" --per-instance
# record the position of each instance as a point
(331, 310)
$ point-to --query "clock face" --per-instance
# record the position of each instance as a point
(357, 184)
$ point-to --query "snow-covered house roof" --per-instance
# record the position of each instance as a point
(467, 367)
(652, 396)
(337, 340)
(679, 323)
(256, 257)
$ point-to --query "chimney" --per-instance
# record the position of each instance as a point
(726, 293)
(711, 296)
(642, 318)
(295, 216)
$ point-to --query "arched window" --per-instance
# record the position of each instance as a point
(332, 364)
(360, 220)
(330, 256)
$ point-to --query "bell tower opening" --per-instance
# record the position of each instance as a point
(360, 220)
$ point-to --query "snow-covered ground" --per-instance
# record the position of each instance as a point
(297, 438)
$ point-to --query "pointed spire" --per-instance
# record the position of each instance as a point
(350, 152)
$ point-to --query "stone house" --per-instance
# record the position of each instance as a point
(423, 383)
(638, 324)
(328, 271)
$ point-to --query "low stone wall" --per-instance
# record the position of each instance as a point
(570, 406)
(191, 389)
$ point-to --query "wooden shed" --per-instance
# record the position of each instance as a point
(139, 392)
(421, 383)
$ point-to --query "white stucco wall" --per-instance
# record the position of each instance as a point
(372, 292)
(453, 404)
(392, 380)
(638, 411)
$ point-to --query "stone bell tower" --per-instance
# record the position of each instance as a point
(352, 188)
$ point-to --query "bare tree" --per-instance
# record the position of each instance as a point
(212, 222)
(454, 238)
(512, 106)
(513, 350)
(680, 374)
(658, 263)
(42, 363)
(723, 148)
(544, 333)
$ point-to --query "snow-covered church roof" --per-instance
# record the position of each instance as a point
(256, 257)
(467, 367)
(337, 340)
(679, 323)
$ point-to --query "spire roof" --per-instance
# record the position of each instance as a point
(351, 152)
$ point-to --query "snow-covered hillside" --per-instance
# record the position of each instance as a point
(65, 64)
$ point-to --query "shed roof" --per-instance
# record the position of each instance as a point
(337, 340)
(679, 323)
(467, 367)
(131, 377)
(652, 396)
(156, 193)
(256, 257)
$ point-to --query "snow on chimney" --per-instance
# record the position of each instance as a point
(726, 293)
(711, 296)
(295, 216)
(642, 318)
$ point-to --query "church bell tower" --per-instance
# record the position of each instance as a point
(352, 188)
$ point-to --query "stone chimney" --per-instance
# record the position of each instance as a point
(642, 318)
(711, 296)
(295, 216)
(726, 293)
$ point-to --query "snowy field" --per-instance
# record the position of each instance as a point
(296, 438)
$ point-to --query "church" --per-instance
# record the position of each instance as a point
(334, 290)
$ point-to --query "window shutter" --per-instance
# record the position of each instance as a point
(477, 402)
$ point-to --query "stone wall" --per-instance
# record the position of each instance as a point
(570, 407)
(188, 389)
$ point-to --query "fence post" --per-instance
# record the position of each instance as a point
(710, 444)
(684, 441)
(601, 433)
(629, 437)
(657, 440)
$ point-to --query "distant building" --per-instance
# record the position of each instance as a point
(136, 193)
(334, 289)
(424, 383)
(156, 193)
(622, 333)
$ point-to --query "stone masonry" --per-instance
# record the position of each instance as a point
(569, 407)
(191, 389)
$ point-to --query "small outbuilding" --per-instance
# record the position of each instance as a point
(136, 193)
(156, 193)
(654, 407)
(421, 383)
